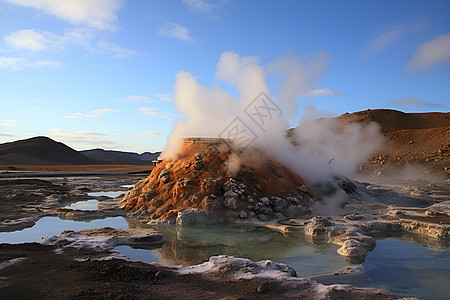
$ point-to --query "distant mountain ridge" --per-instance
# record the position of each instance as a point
(120, 157)
(42, 150)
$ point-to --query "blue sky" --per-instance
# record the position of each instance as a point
(100, 74)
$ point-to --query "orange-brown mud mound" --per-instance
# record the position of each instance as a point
(200, 179)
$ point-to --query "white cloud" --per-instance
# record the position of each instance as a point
(104, 111)
(383, 40)
(100, 14)
(19, 63)
(83, 139)
(433, 52)
(135, 98)
(9, 123)
(392, 36)
(150, 133)
(6, 134)
(115, 50)
(324, 92)
(154, 112)
(82, 116)
(414, 101)
(164, 97)
(175, 30)
(26, 39)
(42, 40)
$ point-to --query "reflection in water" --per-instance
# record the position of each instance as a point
(50, 226)
(84, 205)
(409, 269)
(195, 245)
(111, 194)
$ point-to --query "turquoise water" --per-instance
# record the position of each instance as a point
(398, 264)
(50, 226)
(408, 269)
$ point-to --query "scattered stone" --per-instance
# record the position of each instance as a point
(165, 179)
(198, 165)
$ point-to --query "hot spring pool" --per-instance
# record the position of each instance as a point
(396, 264)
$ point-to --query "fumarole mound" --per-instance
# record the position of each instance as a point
(211, 183)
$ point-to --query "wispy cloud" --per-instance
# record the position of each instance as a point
(82, 116)
(104, 111)
(6, 134)
(324, 92)
(99, 14)
(136, 98)
(115, 50)
(150, 133)
(383, 40)
(9, 123)
(19, 63)
(391, 36)
(97, 113)
(156, 97)
(433, 52)
(200, 6)
(83, 139)
(37, 40)
(413, 101)
(154, 112)
(175, 30)
(164, 97)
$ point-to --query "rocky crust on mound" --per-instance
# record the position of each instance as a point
(418, 139)
(200, 187)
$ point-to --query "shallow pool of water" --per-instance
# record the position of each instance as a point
(84, 205)
(50, 226)
(396, 264)
(111, 194)
(408, 269)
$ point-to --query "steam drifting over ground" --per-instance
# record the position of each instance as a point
(316, 149)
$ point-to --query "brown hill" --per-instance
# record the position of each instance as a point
(393, 120)
(40, 151)
(200, 179)
(420, 139)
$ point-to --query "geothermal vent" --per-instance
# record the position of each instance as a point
(211, 180)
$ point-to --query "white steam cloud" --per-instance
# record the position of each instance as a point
(323, 147)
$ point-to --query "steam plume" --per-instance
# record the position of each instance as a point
(209, 110)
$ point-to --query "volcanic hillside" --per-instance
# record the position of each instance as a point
(200, 179)
(421, 139)
(119, 157)
(40, 151)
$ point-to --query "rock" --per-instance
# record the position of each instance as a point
(211, 202)
(198, 164)
(296, 210)
(353, 217)
(279, 204)
(265, 201)
(165, 179)
(164, 173)
(231, 203)
(321, 221)
(432, 213)
(194, 217)
(353, 249)
(243, 215)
